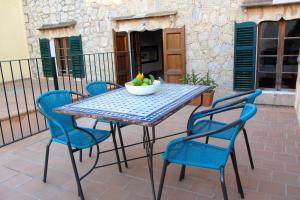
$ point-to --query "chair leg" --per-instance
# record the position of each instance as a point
(122, 146)
(46, 161)
(237, 176)
(95, 124)
(91, 151)
(206, 140)
(162, 179)
(182, 172)
(144, 136)
(80, 193)
(223, 185)
(91, 148)
(116, 147)
(80, 155)
(248, 148)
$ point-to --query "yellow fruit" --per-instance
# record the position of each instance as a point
(140, 76)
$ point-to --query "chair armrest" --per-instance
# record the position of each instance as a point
(231, 97)
(79, 94)
(54, 122)
(210, 112)
(224, 128)
(114, 84)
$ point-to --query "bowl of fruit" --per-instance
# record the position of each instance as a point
(142, 86)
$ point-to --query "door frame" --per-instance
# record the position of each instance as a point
(163, 49)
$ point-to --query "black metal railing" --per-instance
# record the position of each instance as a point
(22, 81)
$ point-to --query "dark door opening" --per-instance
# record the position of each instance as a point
(147, 53)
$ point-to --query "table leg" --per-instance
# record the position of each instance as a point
(149, 151)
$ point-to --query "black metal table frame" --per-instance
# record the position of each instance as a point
(148, 143)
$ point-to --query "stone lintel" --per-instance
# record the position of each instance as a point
(264, 3)
(68, 24)
(145, 15)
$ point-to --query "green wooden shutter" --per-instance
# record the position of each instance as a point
(76, 57)
(48, 63)
(244, 56)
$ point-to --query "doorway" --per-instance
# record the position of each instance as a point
(147, 53)
(159, 52)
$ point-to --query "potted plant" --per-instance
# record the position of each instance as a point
(195, 79)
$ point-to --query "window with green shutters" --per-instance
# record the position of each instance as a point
(48, 63)
(69, 57)
(76, 57)
(244, 56)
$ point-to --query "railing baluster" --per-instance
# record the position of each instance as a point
(108, 66)
(2, 135)
(16, 98)
(69, 77)
(7, 105)
(90, 68)
(100, 70)
(40, 85)
(63, 77)
(95, 67)
(104, 67)
(25, 97)
(112, 68)
(85, 67)
(33, 96)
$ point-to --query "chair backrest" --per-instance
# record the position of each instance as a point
(53, 99)
(247, 97)
(97, 87)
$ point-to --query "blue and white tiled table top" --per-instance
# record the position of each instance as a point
(119, 105)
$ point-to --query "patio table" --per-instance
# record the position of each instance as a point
(147, 111)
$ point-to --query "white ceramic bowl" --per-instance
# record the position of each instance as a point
(142, 90)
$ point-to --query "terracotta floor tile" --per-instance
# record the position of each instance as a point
(275, 147)
(17, 180)
(287, 158)
(287, 178)
(6, 173)
(272, 188)
(293, 191)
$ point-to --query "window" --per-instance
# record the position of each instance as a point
(62, 53)
(278, 49)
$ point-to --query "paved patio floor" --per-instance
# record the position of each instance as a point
(274, 137)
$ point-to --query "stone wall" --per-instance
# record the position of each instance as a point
(209, 27)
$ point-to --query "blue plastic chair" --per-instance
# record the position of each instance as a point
(250, 98)
(64, 130)
(187, 151)
(100, 87)
(205, 125)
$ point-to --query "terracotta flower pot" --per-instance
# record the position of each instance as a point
(207, 99)
(196, 101)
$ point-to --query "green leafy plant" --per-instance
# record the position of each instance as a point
(191, 79)
(195, 79)
(208, 81)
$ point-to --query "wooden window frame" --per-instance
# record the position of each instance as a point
(280, 55)
(62, 56)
